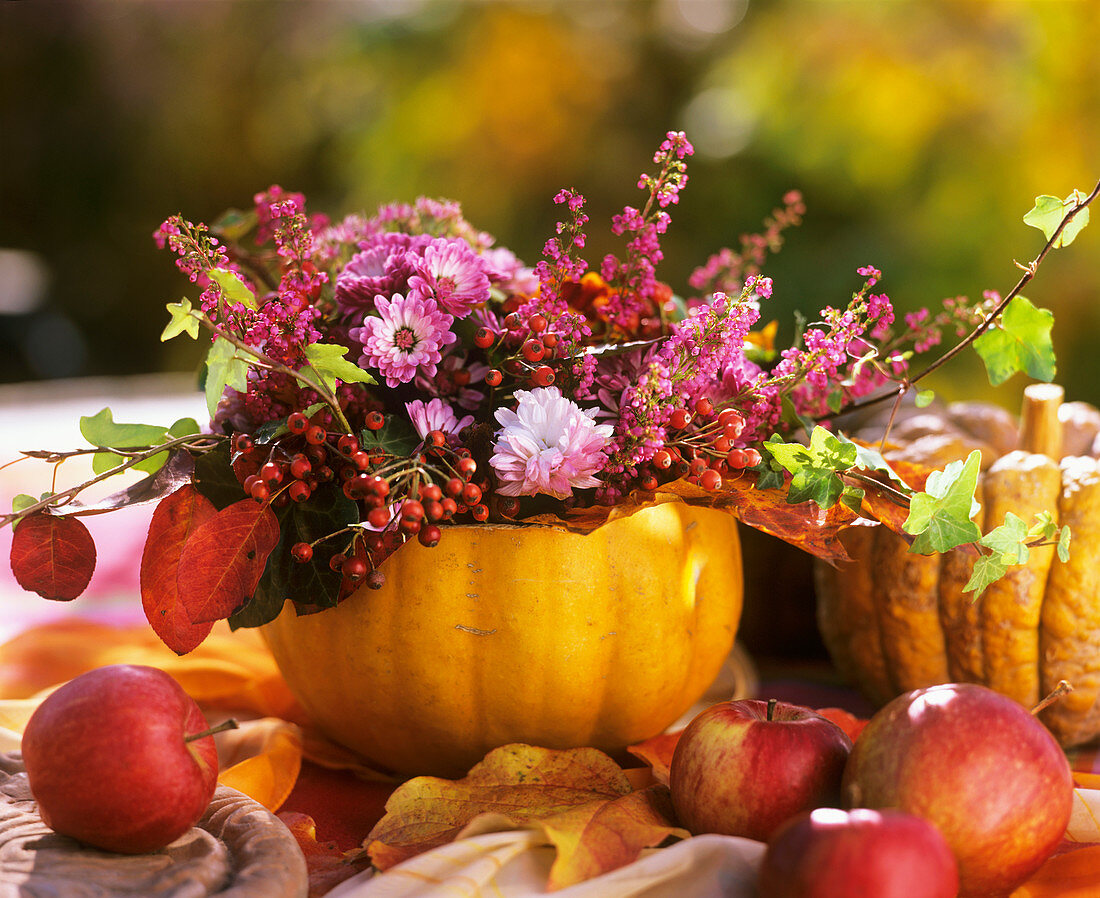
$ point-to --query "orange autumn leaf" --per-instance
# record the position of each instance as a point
(265, 760)
(1072, 874)
(847, 721)
(231, 671)
(326, 864)
(519, 783)
(599, 837)
(657, 753)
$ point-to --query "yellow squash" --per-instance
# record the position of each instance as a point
(521, 634)
(894, 621)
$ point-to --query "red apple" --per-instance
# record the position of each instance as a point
(108, 763)
(858, 854)
(742, 768)
(975, 763)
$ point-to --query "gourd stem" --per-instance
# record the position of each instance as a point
(1040, 427)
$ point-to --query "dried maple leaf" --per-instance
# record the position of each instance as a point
(603, 836)
(580, 800)
(519, 782)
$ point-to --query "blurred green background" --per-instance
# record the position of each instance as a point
(919, 132)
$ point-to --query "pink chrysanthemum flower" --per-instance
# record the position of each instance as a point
(404, 338)
(435, 415)
(548, 445)
(451, 273)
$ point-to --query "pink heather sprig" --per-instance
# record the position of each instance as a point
(282, 330)
(840, 360)
(434, 217)
(282, 218)
(634, 280)
(561, 261)
(681, 368)
(198, 251)
(726, 270)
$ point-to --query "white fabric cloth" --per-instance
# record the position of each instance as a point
(516, 864)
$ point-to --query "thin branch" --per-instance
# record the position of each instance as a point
(1029, 273)
(136, 457)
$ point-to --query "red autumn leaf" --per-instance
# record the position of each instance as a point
(53, 556)
(326, 864)
(174, 520)
(223, 560)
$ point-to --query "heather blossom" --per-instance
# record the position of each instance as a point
(548, 445)
(406, 337)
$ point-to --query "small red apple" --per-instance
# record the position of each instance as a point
(975, 763)
(858, 854)
(108, 761)
(742, 768)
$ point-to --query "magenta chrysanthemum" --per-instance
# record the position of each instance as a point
(404, 338)
(451, 273)
(548, 445)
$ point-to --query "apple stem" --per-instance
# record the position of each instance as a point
(230, 724)
(772, 702)
(1063, 688)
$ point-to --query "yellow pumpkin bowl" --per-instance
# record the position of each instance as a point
(529, 634)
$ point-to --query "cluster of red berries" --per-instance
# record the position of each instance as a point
(397, 496)
(529, 348)
(703, 453)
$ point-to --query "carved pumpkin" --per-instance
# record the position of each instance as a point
(521, 634)
(895, 621)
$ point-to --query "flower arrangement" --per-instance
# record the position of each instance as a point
(377, 379)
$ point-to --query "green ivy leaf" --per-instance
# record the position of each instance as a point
(328, 360)
(987, 569)
(184, 319)
(223, 369)
(233, 288)
(814, 468)
(939, 518)
(1008, 540)
(1049, 211)
(101, 430)
(1019, 341)
(1063, 545)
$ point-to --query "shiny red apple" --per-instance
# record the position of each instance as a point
(108, 761)
(980, 767)
(862, 853)
(742, 768)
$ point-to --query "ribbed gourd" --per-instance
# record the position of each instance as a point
(894, 621)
